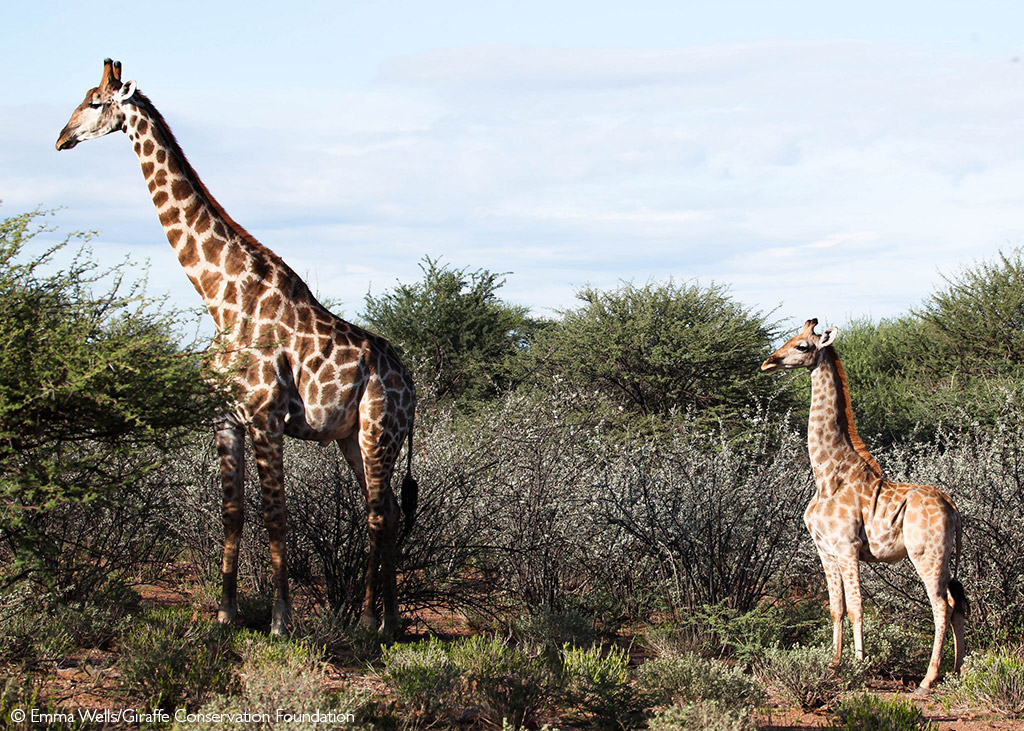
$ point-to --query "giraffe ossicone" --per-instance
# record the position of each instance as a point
(297, 369)
(856, 514)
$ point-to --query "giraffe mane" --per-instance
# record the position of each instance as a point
(190, 172)
(847, 422)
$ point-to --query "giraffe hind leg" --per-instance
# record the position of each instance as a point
(961, 610)
(353, 455)
(230, 439)
(935, 575)
(373, 469)
(382, 518)
(942, 615)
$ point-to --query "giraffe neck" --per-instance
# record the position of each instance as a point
(220, 258)
(832, 441)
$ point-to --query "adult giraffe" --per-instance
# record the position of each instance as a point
(858, 515)
(298, 369)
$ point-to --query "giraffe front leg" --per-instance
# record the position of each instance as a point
(850, 567)
(230, 438)
(268, 449)
(836, 603)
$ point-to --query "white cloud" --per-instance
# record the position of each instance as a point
(823, 176)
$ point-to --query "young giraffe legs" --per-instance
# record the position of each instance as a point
(849, 565)
(959, 639)
(931, 530)
(942, 614)
(268, 448)
(230, 437)
(836, 603)
(934, 572)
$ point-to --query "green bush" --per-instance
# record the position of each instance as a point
(337, 635)
(596, 681)
(171, 658)
(992, 680)
(21, 694)
(864, 712)
(639, 356)
(894, 650)
(688, 679)
(805, 677)
(28, 632)
(288, 682)
(453, 331)
(701, 716)
(95, 394)
(551, 629)
(913, 375)
(496, 681)
(746, 636)
(36, 628)
(502, 681)
(423, 676)
(891, 398)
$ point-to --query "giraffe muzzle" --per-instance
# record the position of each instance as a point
(66, 140)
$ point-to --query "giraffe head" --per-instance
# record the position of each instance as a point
(102, 111)
(801, 350)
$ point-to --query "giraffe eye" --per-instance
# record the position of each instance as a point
(803, 347)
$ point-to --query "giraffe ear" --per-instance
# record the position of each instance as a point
(126, 92)
(828, 337)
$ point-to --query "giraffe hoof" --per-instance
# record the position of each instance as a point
(922, 691)
(282, 618)
(368, 621)
(227, 615)
(390, 629)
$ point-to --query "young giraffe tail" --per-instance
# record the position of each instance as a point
(410, 493)
(957, 595)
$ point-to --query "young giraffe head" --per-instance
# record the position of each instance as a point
(801, 350)
(102, 111)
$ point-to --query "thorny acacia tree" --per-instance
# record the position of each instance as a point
(655, 352)
(95, 392)
(455, 332)
(956, 355)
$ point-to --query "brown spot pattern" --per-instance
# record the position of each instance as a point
(354, 388)
(857, 515)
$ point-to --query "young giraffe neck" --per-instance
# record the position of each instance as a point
(838, 456)
(220, 257)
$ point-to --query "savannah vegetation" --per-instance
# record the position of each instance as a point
(610, 528)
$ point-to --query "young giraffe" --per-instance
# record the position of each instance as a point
(298, 369)
(858, 515)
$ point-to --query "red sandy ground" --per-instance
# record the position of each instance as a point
(87, 681)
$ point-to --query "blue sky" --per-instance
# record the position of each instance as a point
(822, 161)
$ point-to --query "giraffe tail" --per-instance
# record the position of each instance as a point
(958, 598)
(957, 595)
(410, 493)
